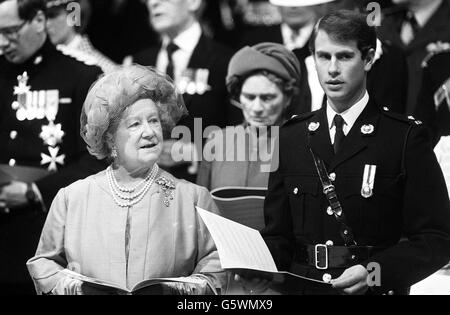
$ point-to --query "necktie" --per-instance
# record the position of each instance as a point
(410, 28)
(171, 49)
(339, 136)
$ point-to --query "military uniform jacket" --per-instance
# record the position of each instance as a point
(436, 29)
(435, 73)
(58, 84)
(409, 199)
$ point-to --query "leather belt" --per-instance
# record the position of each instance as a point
(323, 257)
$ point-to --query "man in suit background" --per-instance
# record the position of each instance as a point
(413, 27)
(40, 106)
(197, 64)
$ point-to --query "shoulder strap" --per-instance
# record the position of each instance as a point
(329, 191)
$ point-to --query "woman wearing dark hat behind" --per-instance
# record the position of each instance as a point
(262, 81)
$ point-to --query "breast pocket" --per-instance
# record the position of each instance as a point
(304, 200)
(372, 217)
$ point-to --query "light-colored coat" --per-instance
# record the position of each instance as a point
(85, 232)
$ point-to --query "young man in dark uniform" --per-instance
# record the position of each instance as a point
(41, 95)
(391, 211)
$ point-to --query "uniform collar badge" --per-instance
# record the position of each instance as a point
(367, 129)
(314, 126)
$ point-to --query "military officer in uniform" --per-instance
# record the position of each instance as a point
(41, 96)
(384, 222)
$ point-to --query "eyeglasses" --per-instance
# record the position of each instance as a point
(12, 32)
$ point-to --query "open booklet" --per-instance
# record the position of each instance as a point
(148, 287)
(243, 250)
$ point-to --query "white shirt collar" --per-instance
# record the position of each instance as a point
(424, 14)
(75, 42)
(350, 115)
(300, 40)
(187, 40)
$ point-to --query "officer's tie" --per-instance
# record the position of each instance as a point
(171, 49)
(339, 136)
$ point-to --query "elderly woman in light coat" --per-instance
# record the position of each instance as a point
(133, 221)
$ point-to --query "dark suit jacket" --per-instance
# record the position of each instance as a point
(213, 107)
(387, 81)
(435, 74)
(437, 29)
(410, 197)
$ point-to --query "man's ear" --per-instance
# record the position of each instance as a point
(39, 21)
(194, 5)
(370, 60)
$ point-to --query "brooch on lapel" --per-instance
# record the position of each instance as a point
(314, 126)
(168, 188)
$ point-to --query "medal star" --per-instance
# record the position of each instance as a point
(52, 134)
(53, 159)
(22, 87)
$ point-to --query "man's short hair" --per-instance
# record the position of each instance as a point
(29, 8)
(344, 26)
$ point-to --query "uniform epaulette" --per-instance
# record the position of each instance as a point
(78, 55)
(403, 118)
(435, 49)
(298, 118)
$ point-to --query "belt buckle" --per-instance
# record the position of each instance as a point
(316, 256)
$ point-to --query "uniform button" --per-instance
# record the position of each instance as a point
(386, 109)
(353, 257)
(327, 278)
(329, 243)
(13, 135)
(345, 232)
(333, 177)
(391, 293)
(296, 191)
(12, 162)
(330, 211)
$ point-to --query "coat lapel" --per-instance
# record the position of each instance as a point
(198, 60)
(434, 29)
(356, 140)
(319, 140)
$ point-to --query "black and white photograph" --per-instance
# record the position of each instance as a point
(226, 153)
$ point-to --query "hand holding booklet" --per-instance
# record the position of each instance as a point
(155, 286)
(243, 250)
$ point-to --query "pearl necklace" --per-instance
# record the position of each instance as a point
(124, 201)
(130, 190)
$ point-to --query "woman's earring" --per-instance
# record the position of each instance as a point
(114, 153)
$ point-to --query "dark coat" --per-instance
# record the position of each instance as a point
(410, 197)
(437, 29)
(435, 73)
(213, 107)
(387, 81)
(48, 69)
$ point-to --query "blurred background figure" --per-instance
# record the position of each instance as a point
(262, 80)
(72, 39)
(120, 28)
(434, 109)
(412, 27)
(42, 93)
(198, 65)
